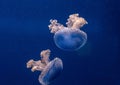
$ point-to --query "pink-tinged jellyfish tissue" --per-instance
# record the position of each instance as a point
(50, 70)
(69, 38)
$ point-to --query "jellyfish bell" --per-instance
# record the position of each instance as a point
(51, 71)
(69, 38)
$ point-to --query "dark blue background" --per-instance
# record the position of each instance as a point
(24, 33)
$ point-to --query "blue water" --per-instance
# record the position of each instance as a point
(24, 33)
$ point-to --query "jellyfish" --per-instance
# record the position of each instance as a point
(50, 70)
(69, 38)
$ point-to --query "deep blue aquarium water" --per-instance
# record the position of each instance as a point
(24, 32)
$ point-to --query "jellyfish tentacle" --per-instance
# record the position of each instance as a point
(30, 63)
(45, 54)
(75, 22)
(38, 68)
(35, 65)
(55, 26)
(40, 64)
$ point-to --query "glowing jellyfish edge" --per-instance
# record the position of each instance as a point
(49, 69)
(70, 37)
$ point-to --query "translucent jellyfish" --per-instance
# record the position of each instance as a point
(50, 70)
(69, 38)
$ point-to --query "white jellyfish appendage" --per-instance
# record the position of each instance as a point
(69, 38)
(49, 69)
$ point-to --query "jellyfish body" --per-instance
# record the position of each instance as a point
(50, 70)
(71, 37)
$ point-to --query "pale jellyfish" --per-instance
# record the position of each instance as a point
(69, 38)
(49, 69)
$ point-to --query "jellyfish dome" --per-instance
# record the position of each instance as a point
(50, 70)
(69, 38)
